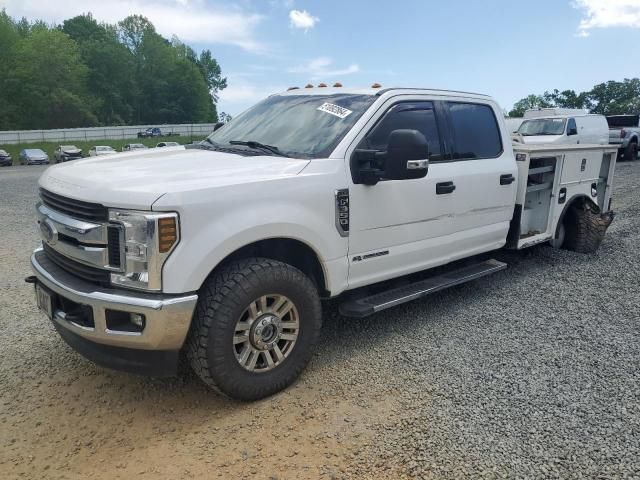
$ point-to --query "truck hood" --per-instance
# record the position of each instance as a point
(137, 179)
(539, 139)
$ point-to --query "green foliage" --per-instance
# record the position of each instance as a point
(84, 73)
(609, 98)
(532, 101)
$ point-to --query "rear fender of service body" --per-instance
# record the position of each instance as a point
(222, 220)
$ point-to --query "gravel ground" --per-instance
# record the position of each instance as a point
(531, 373)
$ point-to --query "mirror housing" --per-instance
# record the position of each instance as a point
(218, 125)
(407, 155)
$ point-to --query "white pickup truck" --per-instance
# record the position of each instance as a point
(222, 251)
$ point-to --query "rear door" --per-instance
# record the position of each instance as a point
(485, 176)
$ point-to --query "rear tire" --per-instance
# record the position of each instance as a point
(239, 321)
(631, 152)
(585, 228)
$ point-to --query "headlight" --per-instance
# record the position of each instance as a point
(149, 238)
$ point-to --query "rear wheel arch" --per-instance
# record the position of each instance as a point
(575, 201)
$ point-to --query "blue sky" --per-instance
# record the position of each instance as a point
(505, 48)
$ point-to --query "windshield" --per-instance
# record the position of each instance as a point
(542, 126)
(309, 126)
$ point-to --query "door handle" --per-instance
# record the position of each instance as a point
(507, 179)
(444, 188)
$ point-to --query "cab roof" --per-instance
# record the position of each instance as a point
(379, 91)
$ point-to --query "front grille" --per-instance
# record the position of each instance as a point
(75, 208)
(113, 238)
(90, 274)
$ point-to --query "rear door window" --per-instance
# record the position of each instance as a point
(475, 131)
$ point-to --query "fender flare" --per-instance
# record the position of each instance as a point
(569, 204)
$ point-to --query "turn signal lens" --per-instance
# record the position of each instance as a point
(168, 234)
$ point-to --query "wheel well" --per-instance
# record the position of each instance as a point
(287, 250)
(578, 201)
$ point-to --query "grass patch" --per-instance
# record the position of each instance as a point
(49, 147)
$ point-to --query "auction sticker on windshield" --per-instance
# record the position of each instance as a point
(335, 110)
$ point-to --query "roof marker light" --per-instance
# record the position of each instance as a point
(376, 85)
(292, 88)
(337, 85)
(308, 85)
(322, 85)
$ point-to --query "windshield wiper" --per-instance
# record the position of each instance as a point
(258, 145)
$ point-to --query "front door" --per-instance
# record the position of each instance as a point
(400, 226)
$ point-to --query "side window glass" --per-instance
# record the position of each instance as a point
(410, 115)
(475, 131)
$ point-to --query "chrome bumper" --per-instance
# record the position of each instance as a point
(167, 317)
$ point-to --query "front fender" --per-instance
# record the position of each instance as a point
(213, 226)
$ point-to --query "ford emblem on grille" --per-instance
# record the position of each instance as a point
(49, 232)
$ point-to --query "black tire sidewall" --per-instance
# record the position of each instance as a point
(224, 368)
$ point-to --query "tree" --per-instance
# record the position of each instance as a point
(85, 73)
(111, 78)
(616, 98)
(531, 101)
(212, 73)
(48, 83)
(567, 99)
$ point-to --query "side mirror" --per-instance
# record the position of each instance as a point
(407, 155)
(217, 126)
(572, 130)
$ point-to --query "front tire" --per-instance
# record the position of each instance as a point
(254, 329)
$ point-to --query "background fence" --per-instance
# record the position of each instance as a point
(100, 133)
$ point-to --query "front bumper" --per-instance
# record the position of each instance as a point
(168, 318)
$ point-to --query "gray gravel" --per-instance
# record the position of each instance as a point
(531, 373)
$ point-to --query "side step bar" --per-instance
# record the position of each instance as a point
(362, 307)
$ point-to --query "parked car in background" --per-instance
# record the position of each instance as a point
(33, 156)
(624, 131)
(133, 146)
(65, 153)
(100, 150)
(150, 132)
(167, 144)
(583, 128)
(5, 159)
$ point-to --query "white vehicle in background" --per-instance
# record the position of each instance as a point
(129, 147)
(312, 194)
(100, 150)
(624, 132)
(578, 128)
(167, 144)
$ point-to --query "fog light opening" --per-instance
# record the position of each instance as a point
(125, 322)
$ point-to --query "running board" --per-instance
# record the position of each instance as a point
(362, 307)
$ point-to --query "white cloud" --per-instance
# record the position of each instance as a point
(607, 14)
(190, 20)
(322, 67)
(302, 19)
